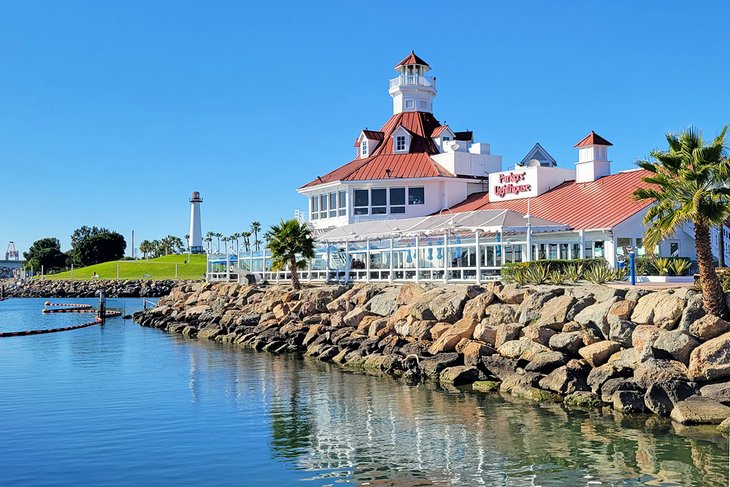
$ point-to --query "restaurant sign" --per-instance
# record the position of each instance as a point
(511, 184)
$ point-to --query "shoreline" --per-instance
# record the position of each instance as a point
(89, 288)
(588, 346)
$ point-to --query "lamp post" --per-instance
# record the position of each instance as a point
(632, 266)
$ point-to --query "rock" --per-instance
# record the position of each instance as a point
(353, 317)
(420, 330)
(476, 308)
(621, 331)
(699, 410)
(459, 375)
(620, 311)
(693, 311)
(498, 366)
(598, 376)
(408, 293)
(210, 332)
(446, 343)
(568, 343)
(708, 327)
(711, 360)
(531, 308)
(444, 303)
(644, 336)
(675, 344)
(628, 358)
(474, 351)
(377, 326)
(564, 380)
(660, 309)
(384, 304)
(499, 314)
(511, 294)
(554, 313)
(612, 386)
(439, 329)
(485, 386)
(629, 402)
(507, 332)
(580, 304)
(724, 427)
(463, 328)
(661, 397)
(485, 333)
(598, 353)
(537, 334)
(636, 294)
(432, 366)
(582, 400)
(521, 349)
(597, 314)
(545, 362)
(719, 391)
(657, 370)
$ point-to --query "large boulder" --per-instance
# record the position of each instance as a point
(565, 380)
(719, 391)
(598, 353)
(531, 308)
(538, 334)
(660, 398)
(569, 342)
(628, 358)
(384, 304)
(484, 332)
(442, 303)
(507, 332)
(545, 362)
(612, 386)
(711, 360)
(432, 366)
(661, 309)
(629, 402)
(512, 294)
(555, 311)
(654, 371)
(708, 327)
(620, 311)
(621, 331)
(521, 349)
(473, 351)
(597, 314)
(699, 410)
(459, 375)
(477, 308)
(598, 376)
(693, 311)
(354, 317)
(675, 344)
(644, 337)
(498, 314)
(464, 328)
(498, 366)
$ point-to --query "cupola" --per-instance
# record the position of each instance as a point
(412, 90)
(593, 160)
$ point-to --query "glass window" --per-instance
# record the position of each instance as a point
(410, 103)
(415, 196)
(446, 138)
(564, 251)
(400, 143)
(640, 246)
(576, 251)
(589, 250)
(623, 245)
(323, 201)
(362, 201)
(397, 196)
(598, 250)
(342, 202)
(378, 200)
(333, 205)
(674, 249)
(315, 203)
(552, 251)
(397, 209)
(364, 148)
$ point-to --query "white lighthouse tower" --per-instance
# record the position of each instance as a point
(412, 90)
(195, 242)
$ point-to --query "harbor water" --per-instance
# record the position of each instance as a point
(122, 405)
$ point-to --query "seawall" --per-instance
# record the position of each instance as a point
(586, 346)
(89, 288)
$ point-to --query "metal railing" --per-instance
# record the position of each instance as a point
(413, 80)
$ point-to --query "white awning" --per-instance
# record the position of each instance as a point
(487, 221)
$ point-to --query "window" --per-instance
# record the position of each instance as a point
(598, 250)
(378, 201)
(423, 104)
(397, 200)
(410, 104)
(323, 205)
(400, 143)
(415, 196)
(364, 148)
(640, 250)
(343, 200)
(333, 205)
(623, 246)
(446, 138)
(315, 207)
(674, 249)
(362, 201)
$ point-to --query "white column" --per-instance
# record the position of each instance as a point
(501, 249)
(418, 261)
(446, 256)
(390, 278)
(582, 244)
(367, 261)
(529, 242)
(327, 264)
(477, 241)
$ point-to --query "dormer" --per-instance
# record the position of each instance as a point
(593, 160)
(539, 154)
(443, 136)
(401, 140)
(367, 142)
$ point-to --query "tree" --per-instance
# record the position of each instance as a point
(45, 253)
(246, 241)
(146, 247)
(255, 228)
(85, 232)
(102, 247)
(209, 239)
(218, 235)
(690, 185)
(291, 245)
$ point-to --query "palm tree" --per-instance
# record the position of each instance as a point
(145, 246)
(246, 241)
(187, 241)
(218, 236)
(291, 246)
(690, 185)
(255, 228)
(209, 238)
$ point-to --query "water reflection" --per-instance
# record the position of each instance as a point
(368, 429)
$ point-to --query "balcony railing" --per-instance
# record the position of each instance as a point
(413, 80)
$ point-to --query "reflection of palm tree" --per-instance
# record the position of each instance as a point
(292, 424)
(255, 227)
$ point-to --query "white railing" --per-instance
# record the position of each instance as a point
(413, 80)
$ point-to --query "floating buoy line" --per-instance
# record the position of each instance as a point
(51, 308)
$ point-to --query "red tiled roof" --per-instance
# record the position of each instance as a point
(383, 163)
(592, 139)
(603, 203)
(412, 59)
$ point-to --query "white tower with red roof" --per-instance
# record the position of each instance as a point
(412, 90)
(593, 160)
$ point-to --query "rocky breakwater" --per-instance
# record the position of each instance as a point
(90, 288)
(586, 346)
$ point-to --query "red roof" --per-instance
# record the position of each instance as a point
(603, 203)
(412, 59)
(439, 130)
(373, 135)
(384, 163)
(592, 139)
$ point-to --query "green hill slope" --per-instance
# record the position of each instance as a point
(166, 267)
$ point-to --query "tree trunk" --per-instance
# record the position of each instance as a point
(713, 297)
(294, 274)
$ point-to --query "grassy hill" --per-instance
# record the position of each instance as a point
(159, 268)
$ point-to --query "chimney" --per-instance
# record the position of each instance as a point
(593, 160)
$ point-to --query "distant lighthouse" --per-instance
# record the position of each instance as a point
(195, 241)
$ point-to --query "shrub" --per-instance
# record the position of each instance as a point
(537, 274)
(573, 272)
(680, 267)
(599, 274)
(662, 265)
(557, 278)
(620, 274)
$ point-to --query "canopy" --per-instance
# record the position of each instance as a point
(486, 221)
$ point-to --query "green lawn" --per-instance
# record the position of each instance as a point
(159, 268)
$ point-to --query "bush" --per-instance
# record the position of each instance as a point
(537, 274)
(514, 271)
(599, 274)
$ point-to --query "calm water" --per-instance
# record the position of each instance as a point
(124, 405)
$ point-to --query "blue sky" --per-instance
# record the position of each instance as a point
(112, 112)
